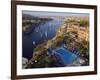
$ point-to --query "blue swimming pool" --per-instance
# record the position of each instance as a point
(66, 55)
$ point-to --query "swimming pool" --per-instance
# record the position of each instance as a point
(67, 56)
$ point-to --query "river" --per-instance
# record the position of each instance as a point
(41, 33)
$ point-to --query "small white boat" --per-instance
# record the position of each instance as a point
(36, 30)
(46, 34)
(34, 42)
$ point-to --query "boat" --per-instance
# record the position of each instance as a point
(34, 43)
(46, 34)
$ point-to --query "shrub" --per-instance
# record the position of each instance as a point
(84, 23)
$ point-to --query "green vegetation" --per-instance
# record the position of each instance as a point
(84, 23)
